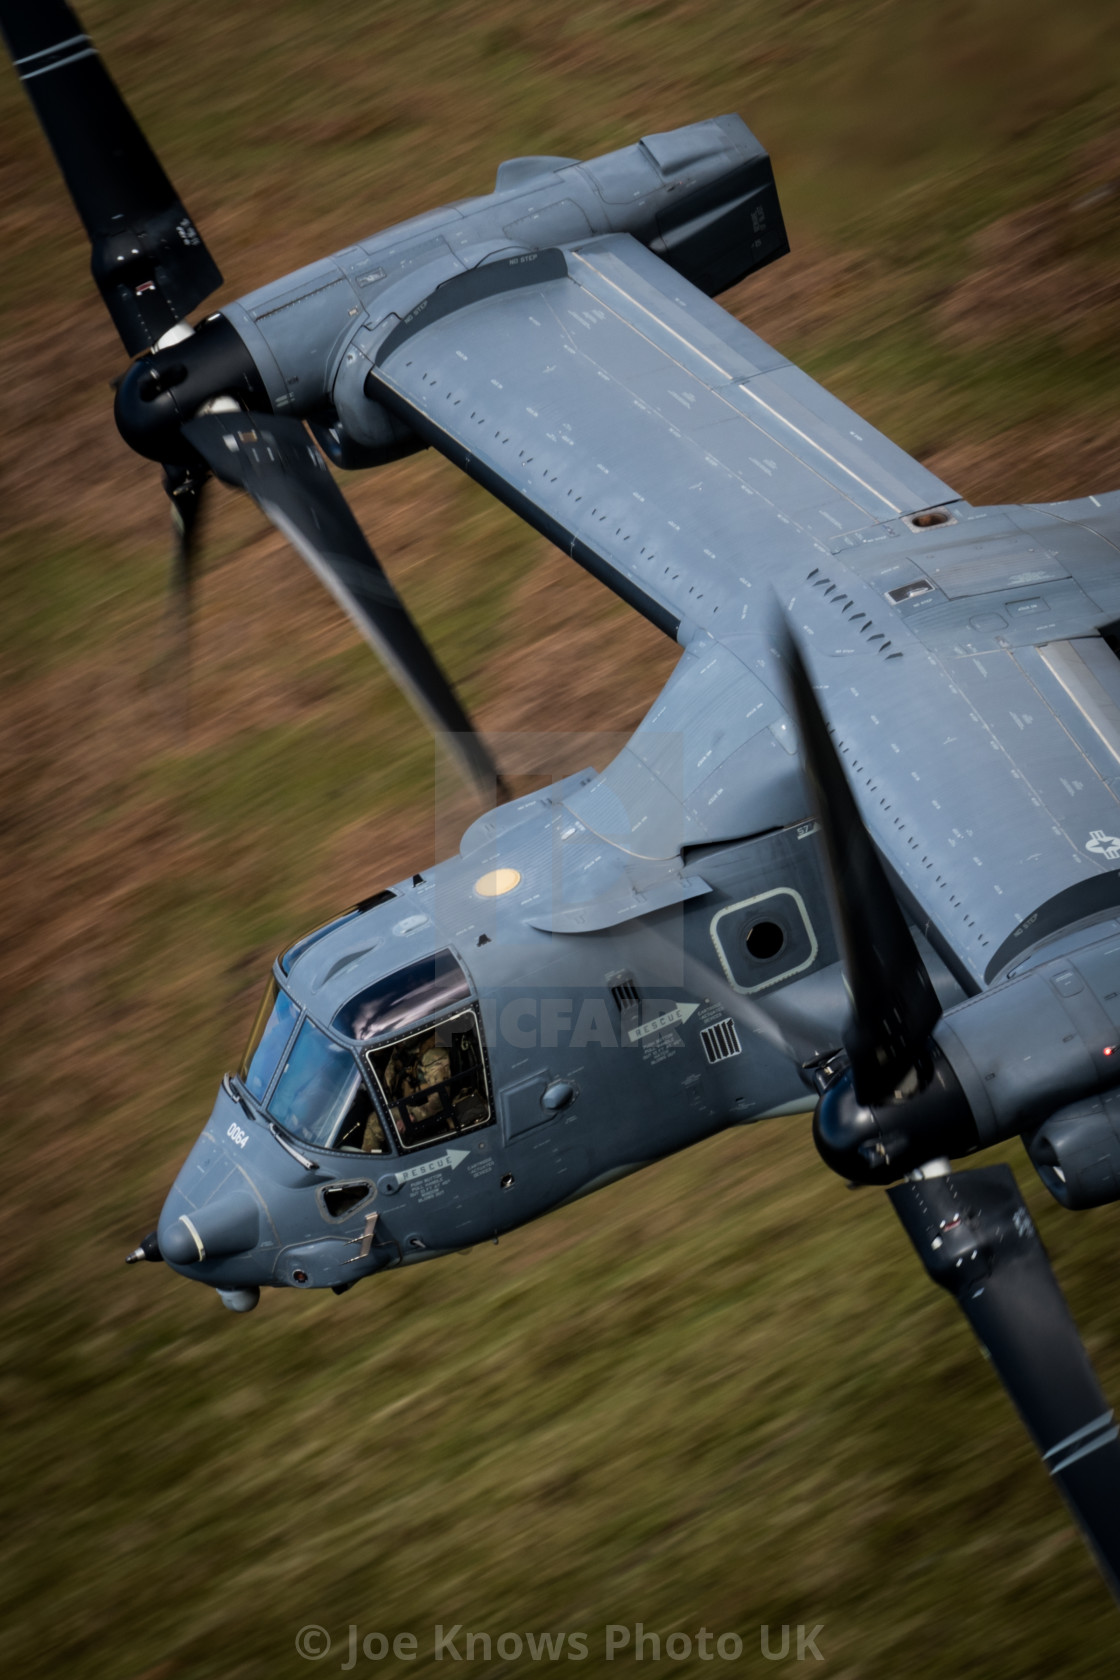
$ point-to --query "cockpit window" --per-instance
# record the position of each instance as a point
(271, 1031)
(434, 1081)
(320, 1095)
(361, 1130)
(397, 1000)
(292, 956)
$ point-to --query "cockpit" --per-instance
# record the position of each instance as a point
(400, 1065)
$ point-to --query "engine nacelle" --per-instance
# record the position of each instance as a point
(363, 433)
(381, 437)
(1029, 1057)
(1076, 1153)
(725, 221)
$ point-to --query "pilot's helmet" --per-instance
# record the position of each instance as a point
(435, 1065)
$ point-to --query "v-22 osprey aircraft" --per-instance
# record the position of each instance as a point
(865, 846)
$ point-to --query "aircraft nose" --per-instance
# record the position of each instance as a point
(215, 1222)
(228, 1225)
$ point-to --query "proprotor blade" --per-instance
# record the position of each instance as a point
(275, 461)
(976, 1238)
(184, 486)
(894, 1005)
(148, 260)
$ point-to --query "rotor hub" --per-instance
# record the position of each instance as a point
(162, 390)
(879, 1143)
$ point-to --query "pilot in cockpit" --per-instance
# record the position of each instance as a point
(428, 1100)
(416, 1079)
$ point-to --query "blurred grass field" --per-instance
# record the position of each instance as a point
(720, 1394)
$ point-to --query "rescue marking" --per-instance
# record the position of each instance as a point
(660, 1022)
(453, 1158)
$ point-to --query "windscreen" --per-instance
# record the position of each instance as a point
(268, 1040)
(397, 1000)
(316, 1088)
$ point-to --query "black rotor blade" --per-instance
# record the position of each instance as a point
(149, 262)
(894, 1005)
(184, 486)
(976, 1238)
(274, 460)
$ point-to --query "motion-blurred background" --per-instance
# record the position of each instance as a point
(721, 1394)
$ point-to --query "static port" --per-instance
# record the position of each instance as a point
(507, 1180)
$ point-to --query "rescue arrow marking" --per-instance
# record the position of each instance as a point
(452, 1159)
(648, 1028)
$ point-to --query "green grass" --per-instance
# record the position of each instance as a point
(719, 1394)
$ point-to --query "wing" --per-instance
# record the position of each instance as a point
(641, 428)
(690, 466)
(970, 676)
